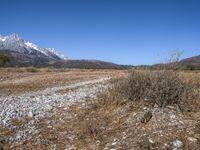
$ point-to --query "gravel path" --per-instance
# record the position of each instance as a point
(41, 103)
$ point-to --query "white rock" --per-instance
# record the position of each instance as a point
(191, 139)
(30, 114)
(165, 146)
(98, 142)
(172, 116)
(151, 141)
(177, 144)
(114, 142)
(145, 108)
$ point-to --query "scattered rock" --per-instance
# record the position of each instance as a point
(173, 116)
(39, 104)
(49, 126)
(145, 108)
(171, 107)
(191, 139)
(165, 146)
(114, 142)
(177, 144)
(146, 143)
(106, 148)
(98, 142)
(151, 141)
(146, 117)
(30, 114)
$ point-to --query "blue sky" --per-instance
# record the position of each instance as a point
(122, 31)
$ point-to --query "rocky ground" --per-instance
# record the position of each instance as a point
(40, 103)
(32, 106)
(77, 114)
(20, 111)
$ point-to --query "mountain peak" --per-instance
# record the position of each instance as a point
(14, 35)
(14, 42)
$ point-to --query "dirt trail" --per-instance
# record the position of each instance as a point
(21, 112)
(26, 98)
(15, 83)
(39, 103)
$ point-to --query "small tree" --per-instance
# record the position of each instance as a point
(173, 59)
(4, 59)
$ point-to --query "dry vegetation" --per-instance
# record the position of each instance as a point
(144, 110)
(20, 80)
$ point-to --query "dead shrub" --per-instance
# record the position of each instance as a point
(166, 88)
(157, 87)
(137, 85)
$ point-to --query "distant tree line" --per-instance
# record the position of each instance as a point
(3, 59)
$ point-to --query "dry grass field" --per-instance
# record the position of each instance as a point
(143, 109)
(20, 80)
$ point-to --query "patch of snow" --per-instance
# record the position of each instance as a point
(2, 39)
(52, 50)
(31, 45)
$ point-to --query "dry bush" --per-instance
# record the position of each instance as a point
(136, 85)
(166, 88)
(157, 87)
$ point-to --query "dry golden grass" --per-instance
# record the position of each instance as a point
(191, 77)
(19, 80)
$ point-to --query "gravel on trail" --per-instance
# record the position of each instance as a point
(41, 103)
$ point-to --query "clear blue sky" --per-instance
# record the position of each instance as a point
(122, 31)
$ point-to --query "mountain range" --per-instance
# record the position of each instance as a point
(24, 53)
(192, 63)
(17, 44)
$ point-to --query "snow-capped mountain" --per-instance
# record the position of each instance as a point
(17, 44)
(22, 53)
